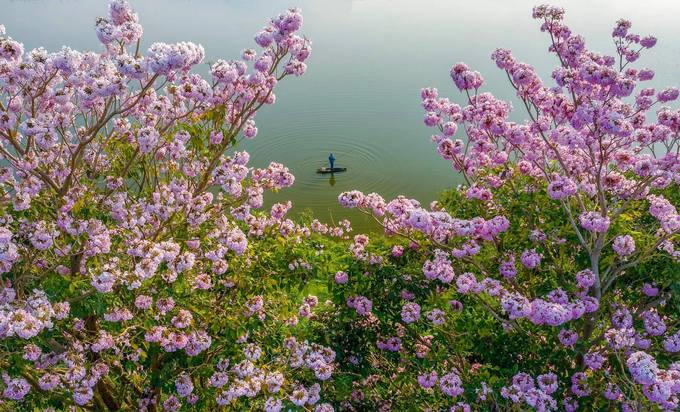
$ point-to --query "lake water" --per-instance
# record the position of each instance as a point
(360, 97)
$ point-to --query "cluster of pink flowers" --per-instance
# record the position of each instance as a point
(410, 312)
(594, 222)
(71, 371)
(535, 393)
(247, 379)
(361, 304)
(450, 383)
(665, 213)
(439, 267)
(659, 385)
(306, 309)
(623, 245)
(403, 215)
(26, 318)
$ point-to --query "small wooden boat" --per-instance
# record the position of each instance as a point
(324, 170)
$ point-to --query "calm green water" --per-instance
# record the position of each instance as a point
(360, 98)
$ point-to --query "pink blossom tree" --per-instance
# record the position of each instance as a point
(128, 222)
(603, 150)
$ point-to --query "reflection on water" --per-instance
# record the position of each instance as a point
(360, 97)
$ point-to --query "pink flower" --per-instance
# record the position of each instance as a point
(464, 78)
(568, 337)
(650, 289)
(427, 380)
(594, 222)
(184, 385)
(643, 368)
(530, 259)
(341, 277)
(361, 304)
(15, 388)
(623, 245)
(397, 251)
(451, 384)
(410, 312)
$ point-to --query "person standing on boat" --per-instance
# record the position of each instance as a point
(331, 160)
